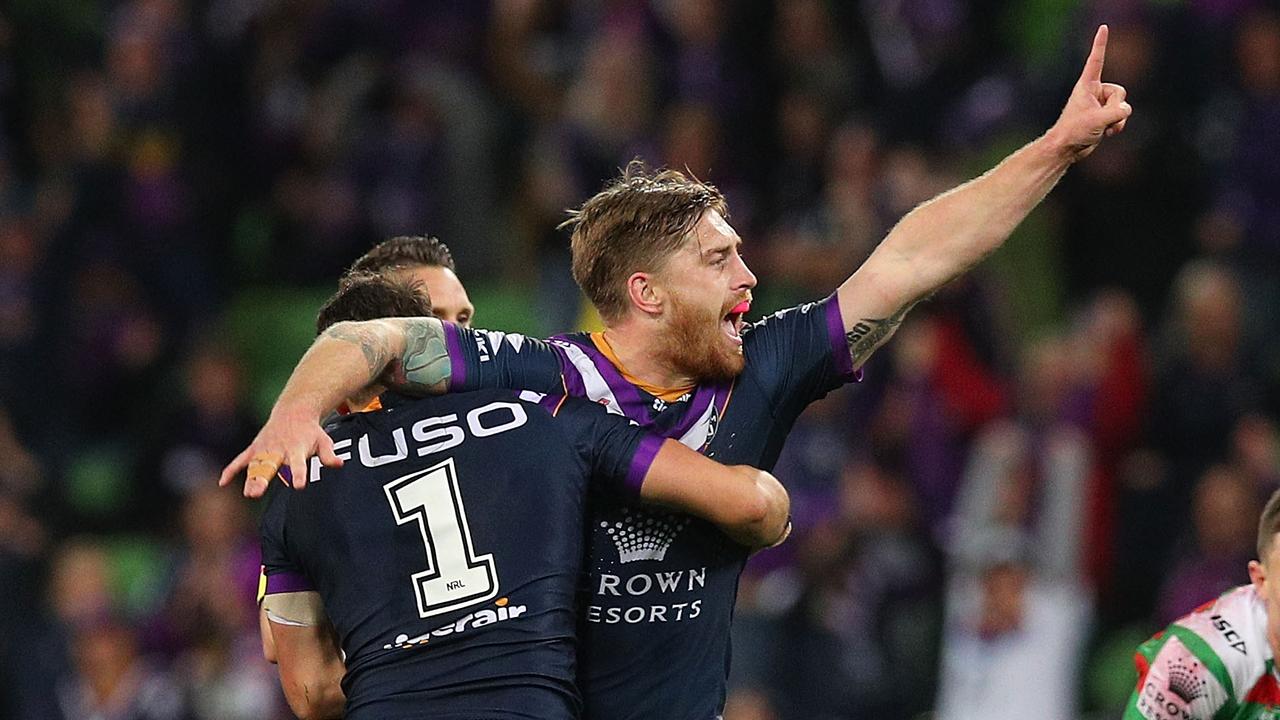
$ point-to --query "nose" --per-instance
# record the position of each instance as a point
(743, 278)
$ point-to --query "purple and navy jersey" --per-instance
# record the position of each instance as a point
(660, 587)
(448, 549)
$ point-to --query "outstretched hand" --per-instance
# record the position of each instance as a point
(282, 449)
(1096, 109)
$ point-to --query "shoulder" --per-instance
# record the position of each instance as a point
(1228, 635)
(813, 311)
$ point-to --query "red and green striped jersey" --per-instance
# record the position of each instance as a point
(1214, 664)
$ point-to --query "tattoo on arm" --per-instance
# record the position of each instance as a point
(424, 367)
(368, 340)
(869, 333)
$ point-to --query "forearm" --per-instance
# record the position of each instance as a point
(311, 670)
(748, 505)
(948, 235)
(344, 360)
(407, 354)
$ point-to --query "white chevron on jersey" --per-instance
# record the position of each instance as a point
(596, 387)
(701, 432)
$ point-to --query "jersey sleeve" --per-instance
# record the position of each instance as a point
(494, 360)
(279, 571)
(617, 451)
(1180, 677)
(800, 354)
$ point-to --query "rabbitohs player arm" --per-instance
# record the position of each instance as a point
(416, 356)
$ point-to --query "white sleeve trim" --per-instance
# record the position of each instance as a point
(296, 609)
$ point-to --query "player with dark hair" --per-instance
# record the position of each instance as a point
(1218, 663)
(368, 296)
(656, 255)
(426, 259)
(443, 556)
(360, 296)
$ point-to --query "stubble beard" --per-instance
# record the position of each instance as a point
(695, 345)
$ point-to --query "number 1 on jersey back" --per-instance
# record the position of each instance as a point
(455, 576)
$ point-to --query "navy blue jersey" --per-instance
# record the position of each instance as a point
(448, 548)
(661, 586)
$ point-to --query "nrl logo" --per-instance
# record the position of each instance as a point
(642, 535)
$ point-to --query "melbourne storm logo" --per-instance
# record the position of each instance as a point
(643, 535)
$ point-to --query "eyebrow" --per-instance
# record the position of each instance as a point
(723, 249)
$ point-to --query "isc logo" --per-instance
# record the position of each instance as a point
(431, 435)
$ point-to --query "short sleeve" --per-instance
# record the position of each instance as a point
(494, 360)
(799, 354)
(280, 572)
(617, 451)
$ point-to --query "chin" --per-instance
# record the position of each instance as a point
(720, 364)
(699, 347)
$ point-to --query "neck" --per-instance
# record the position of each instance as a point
(634, 343)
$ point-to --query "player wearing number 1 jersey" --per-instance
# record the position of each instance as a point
(657, 257)
(445, 552)
(1218, 663)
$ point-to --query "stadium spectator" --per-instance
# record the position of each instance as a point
(1018, 596)
(1224, 504)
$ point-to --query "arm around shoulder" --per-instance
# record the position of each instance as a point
(749, 505)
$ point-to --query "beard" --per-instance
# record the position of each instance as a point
(695, 344)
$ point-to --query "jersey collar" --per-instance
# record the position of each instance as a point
(665, 394)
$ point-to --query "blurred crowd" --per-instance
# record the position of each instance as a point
(1057, 455)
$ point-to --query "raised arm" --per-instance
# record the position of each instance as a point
(749, 505)
(406, 354)
(946, 236)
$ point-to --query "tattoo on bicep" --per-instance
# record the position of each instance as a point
(869, 333)
(424, 366)
(368, 340)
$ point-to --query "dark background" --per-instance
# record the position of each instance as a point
(1064, 450)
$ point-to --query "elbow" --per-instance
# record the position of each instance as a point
(776, 520)
(313, 698)
(755, 511)
(761, 518)
(309, 708)
(295, 693)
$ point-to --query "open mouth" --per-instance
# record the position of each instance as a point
(732, 322)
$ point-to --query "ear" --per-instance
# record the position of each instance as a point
(1257, 575)
(645, 294)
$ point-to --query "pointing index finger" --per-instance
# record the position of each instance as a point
(234, 467)
(1097, 57)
